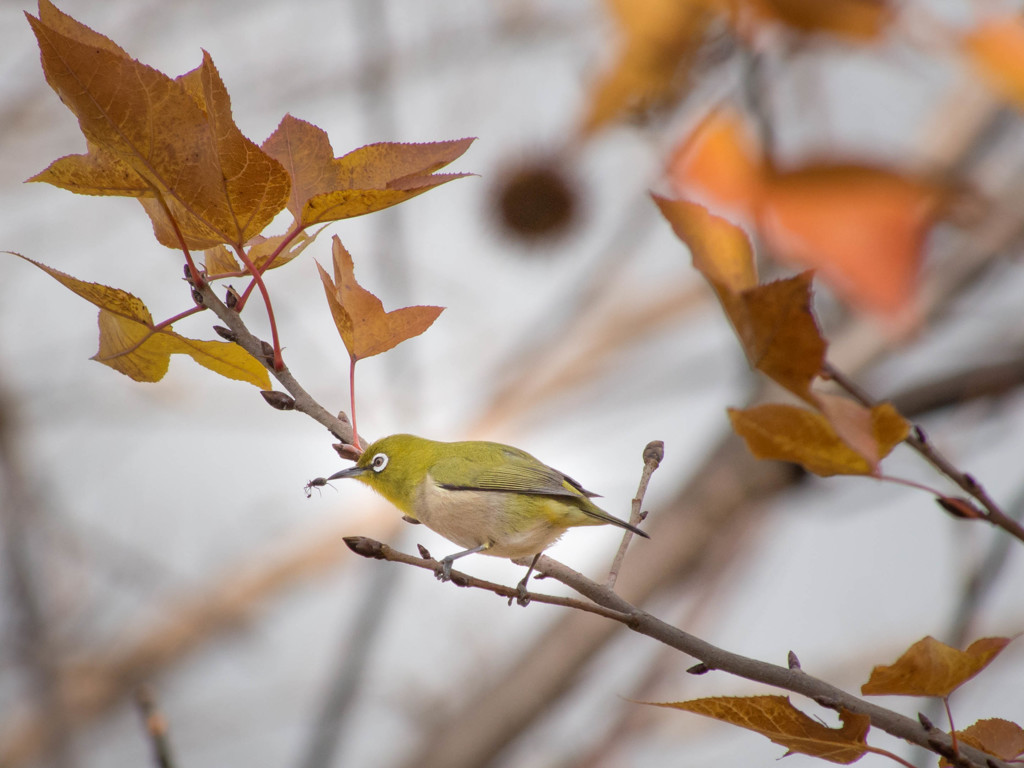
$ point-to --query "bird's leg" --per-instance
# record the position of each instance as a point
(446, 562)
(521, 597)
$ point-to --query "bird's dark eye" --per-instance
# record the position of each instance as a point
(379, 462)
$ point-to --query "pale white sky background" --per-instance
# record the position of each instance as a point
(153, 491)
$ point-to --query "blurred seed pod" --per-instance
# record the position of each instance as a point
(536, 200)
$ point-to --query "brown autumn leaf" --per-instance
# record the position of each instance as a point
(371, 178)
(932, 668)
(365, 327)
(157, 139)
(996, 50)
(781, 336)
(774, 321)
(857, 20)
(862, 228)
(776, 718)
(720, 250)
(128, 343)
(658, 39)
(1002, 738)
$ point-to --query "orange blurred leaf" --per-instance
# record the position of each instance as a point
(153, 137)
(1002, 738)
(364, 326)
(129, 344)
(862, 228)
(996, 49)
(776, 718)
(377, 176)
(719, 162)
(932, 668)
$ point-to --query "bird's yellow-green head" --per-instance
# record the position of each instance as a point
(395, 467)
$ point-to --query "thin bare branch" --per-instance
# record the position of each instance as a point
(917, 440)
(156, 727)
(304, 402)
(653, 454)
(789, 678)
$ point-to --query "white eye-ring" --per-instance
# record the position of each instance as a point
(379, 462)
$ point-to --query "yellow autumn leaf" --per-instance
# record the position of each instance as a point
(932, 668)
(377, 176)
(799, 435)
(996, 49)
(129, 344)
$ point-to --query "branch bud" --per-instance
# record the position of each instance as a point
(364, 546)
(225, 333)
(654, 452)
(347, 451)
(282, 401)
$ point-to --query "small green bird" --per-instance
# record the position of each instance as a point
(487, 497)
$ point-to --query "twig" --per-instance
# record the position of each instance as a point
(304, 402)
(990, 380)
(654, 453)
(156, 727)
(920, 443)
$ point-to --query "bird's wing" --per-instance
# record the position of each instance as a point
(514, 472)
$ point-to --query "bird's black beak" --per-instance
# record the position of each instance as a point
(355, 471)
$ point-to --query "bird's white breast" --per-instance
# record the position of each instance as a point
(474, 518)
